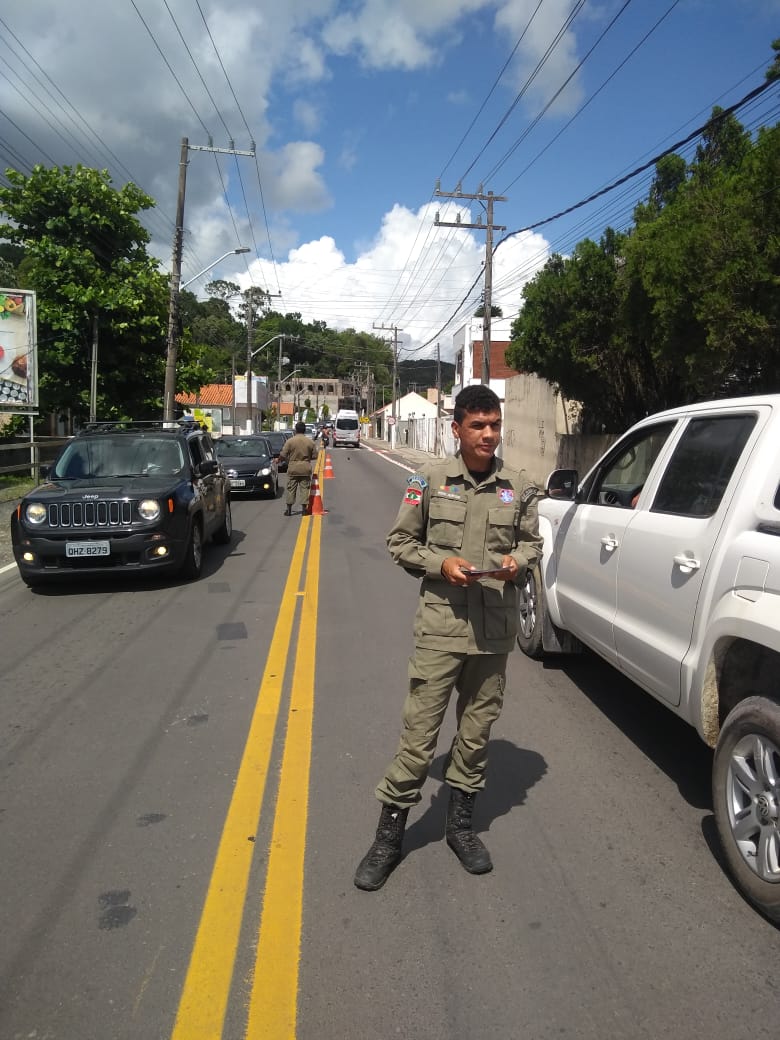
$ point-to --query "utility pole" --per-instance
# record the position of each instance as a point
(169, 390)
(394, 330)
(437, 444)
(489, 227)
(233, 394)
(94, 371)
(250, 310)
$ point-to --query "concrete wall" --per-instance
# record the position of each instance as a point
(540, 431)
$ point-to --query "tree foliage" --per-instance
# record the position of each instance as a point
(218, 328)
(685, 306)
(85, 256)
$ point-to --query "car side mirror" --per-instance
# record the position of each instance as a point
(44, 471)
(208, 468)
(563, 484)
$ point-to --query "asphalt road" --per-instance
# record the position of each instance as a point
(186, 786)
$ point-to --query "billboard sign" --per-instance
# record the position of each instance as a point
(18, 352)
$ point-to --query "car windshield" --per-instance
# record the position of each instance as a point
(119, 456)
(242, 448)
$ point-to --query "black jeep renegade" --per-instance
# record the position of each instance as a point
(121, 498)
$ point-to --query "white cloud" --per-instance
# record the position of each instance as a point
(295, 182)
(423, 270)
(512, 18)
(280, 59)
(398, 34)
(306, 115)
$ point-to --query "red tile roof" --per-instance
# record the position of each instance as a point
(213, 395)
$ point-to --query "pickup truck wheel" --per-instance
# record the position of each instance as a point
(224, 532)
(746, 799)
(193, 556)
(531, 609)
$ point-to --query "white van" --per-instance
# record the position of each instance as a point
(347, 429)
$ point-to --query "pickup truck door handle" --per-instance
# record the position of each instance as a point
(687, 564)
(609, 542)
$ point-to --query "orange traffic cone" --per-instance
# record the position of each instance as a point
(328, 474)
(314, 507)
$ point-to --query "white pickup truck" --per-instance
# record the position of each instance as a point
(665, 560)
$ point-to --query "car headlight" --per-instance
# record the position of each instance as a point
(264, 472)
(35, 513)
(149, 508)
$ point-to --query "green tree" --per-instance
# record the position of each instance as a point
(569, 331)
(495, 311)
(708, 271)
(670, 175)
(682, 308)
(86, 258)
(773, 72)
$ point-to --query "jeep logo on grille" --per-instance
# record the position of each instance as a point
(91, 497)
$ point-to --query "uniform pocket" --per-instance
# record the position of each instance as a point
(500, 535)
(443, 612)
(499, 602)
(445, 523)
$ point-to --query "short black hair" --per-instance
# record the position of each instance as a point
(300, 427)
(476, 398)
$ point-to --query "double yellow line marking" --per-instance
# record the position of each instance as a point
(207, 986)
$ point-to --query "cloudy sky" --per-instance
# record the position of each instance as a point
(356, 110)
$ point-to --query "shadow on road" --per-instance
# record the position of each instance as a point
(512, 772)
(673, 745)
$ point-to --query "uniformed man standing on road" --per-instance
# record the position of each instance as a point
(300, 451)
(458, 515)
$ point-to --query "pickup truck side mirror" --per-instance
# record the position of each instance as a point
(563, 484)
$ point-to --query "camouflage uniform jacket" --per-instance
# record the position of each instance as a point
(300, 451)
(445, 512)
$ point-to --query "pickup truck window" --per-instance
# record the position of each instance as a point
(624, 472)
(702, 464)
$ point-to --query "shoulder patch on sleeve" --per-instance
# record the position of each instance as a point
(529, 493)
(413, 496)
(417, 480)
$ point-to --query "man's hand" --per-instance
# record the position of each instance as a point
(452, 571)
(455, 570)
(509, 564)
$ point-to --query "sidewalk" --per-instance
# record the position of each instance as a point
(411, 456)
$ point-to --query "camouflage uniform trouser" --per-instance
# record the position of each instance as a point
(433, 674)
(293, 484)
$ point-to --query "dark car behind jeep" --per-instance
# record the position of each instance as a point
(122, 498)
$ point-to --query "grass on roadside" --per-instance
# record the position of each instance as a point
(13, 486)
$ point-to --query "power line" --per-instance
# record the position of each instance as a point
(496, 81)
(170, 69)
(526, 86)
(538, 117)
(645, 166)
(595, 94)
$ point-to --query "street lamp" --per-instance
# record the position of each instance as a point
(169, 390)
(289, 375)
(230, 252)
(249, 355)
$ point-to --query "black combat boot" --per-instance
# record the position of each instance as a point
(385, 854)
(288, 511)
(461, 838)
